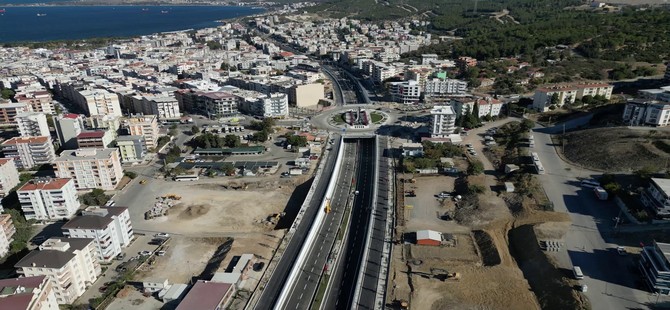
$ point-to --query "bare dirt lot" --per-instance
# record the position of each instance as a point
(618, 149)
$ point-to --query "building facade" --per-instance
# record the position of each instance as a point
(7, 231)
(70, 264)
(443, 121)
(408, 92)
(109, 227)
(32, 124)
(131, 148)
(27, 293)
(48, 199)
(145, 126)
(94, 139)
(90, 168)
(29, 152)
(9, 110)
(9, 176)
(567, 94)
(654, 264)
(306, 95)
(442, 87)
(93, 101)
(275, 105)
(68, 127)
(646, 113)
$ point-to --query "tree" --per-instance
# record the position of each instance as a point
(96, 197)
(476, 167)
(554, 99)
(296, 140)
(213, 45)
(526, 125)
(195, 130)
(228, 169)
(260, 136)
(130, 174)
(173, 130)
(232, 141)
(7, 93)
(24, 231)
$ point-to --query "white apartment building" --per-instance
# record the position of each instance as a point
(68, 127)
(441, 87)
(29, 152)
(660, 94)
(647, 112)
(45, 199)
(27, 293)
(275, 105)
(90, 168)
(143, 125)
(110, 227)
(219, 104)
(98, 102)
(407, 92)
(70, 264)
(9, 110)
(9, 176)
(32, 124)
(567, 94)
(486, 106)
(164, 107)
(443, 121)
(39, 100)
(382, 72)
(306, 95)
(7, 231)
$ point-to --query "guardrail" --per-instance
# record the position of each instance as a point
(313, 232)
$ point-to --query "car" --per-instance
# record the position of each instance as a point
(473, 153)
(121, 268)
(162, 235)
(102, 289)
(443, 195)
(145, 253)
(121, 256)
(38, 240)
(160, 253)
(143, 182)
(468, 145)
(621, 250)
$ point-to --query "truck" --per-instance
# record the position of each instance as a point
(600, 192)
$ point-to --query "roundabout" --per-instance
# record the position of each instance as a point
(355, 117)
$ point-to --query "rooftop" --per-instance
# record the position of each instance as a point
(24, 140)
(663, 185)
(45, 184)
(442, 109)
(86, 153)
(428, 234)
(205, 296)
(91, 221)
(91, 134)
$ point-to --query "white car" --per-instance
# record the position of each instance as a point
(621, 250)
(160, 253)
(162, 235)
(145, 253)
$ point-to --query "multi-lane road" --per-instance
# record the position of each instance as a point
(305, 286)
(274, 286)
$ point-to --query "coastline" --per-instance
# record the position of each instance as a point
(79, 4)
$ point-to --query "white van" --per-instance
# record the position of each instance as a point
(578, 272)
(590, 183)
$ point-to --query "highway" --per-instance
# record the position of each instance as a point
(342, 293)
(304, 289)
(274, 286)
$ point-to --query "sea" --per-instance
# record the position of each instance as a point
(48, 23)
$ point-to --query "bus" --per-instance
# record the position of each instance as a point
(186, 177)
(590, 183)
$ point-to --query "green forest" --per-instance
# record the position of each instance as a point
(631, 34)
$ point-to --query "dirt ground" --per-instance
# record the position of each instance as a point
(134, 300)
(617, 149)
(210, 209)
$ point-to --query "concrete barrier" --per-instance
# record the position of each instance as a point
(313, 232)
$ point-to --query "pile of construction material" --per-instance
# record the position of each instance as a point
(161, 206)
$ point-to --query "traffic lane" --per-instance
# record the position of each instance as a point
(358, 231)
(274, 285)
(315, 263)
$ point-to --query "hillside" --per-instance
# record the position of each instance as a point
(619, 149)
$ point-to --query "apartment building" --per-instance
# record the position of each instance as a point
(9, 110)
(654, 265)
(7, 231)
(109, 227)
(659, 94)
(145, 126)
(90, 168)
(275, 105)
(45, 199)
(639, 112)
(218, 104)
(32, 124)
(39, 101)
(657, 197)
(666, 77)
(94, 139)
(165, 107)
(9, 176)
(443, 122)
(29, 152)
(93, 101)
(27, 293)
(407, 92)
(70, 264)
(68, 127)
(567, 94)
(382, 72)
(306, 95)
(442, 87)
(485, 106)
(131, 148)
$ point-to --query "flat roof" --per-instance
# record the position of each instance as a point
(44, 184)
(91, 134)
(428, 234)
(99, 154)
(663, 185)
(23, 140)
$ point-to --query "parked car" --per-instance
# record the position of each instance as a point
(621, 250)
(38, 240)
(443, 195)
(162, 235)
(121, 256)
(145, 253)
(160, 253)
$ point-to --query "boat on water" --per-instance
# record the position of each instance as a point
(145, 9)
(2, 10)
(164, 12)
(41, 14)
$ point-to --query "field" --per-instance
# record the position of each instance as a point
(618, 149)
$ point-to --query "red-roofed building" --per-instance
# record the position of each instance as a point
(48, 199)
(29, 152)
(27, 293)
(94, 139)
(207, 295)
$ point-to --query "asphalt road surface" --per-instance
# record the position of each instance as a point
(355, 240)
(305, 286)
(281, 272)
